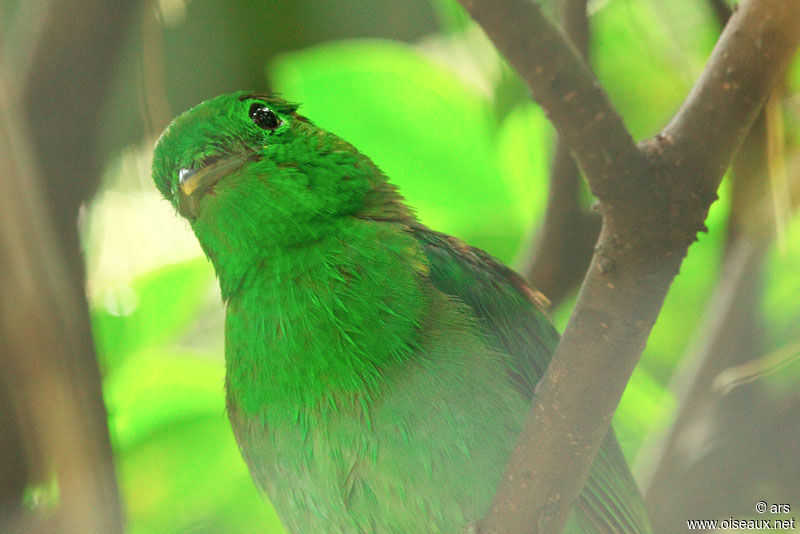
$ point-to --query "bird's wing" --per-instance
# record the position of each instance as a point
(507, 309)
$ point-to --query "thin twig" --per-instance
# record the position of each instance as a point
(722, 11)
(569, 232)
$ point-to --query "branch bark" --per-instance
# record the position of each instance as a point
(653, 198)
(49, 120)
(44, 353)
(568, 233)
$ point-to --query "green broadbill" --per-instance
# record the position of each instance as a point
(377, 372)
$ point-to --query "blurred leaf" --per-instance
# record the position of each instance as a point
(155, 308)
(470, 55)
(524, 158)
(452, 16)
(646, 407)
(190, 478)
(781, 303)
(157, 386)
(130, 230)
(647, 54)
(429, 130)
(180, 466)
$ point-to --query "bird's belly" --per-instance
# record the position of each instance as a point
(423, 455)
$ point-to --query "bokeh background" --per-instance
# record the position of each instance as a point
(419, 88)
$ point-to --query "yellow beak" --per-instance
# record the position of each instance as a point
(195, 182)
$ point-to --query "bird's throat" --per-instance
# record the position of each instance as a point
(320, 326)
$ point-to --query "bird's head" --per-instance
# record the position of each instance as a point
(253, 176)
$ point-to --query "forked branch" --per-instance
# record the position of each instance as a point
(654, 199)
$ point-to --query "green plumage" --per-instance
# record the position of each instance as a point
(378, 372)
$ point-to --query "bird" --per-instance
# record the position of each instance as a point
(377, 372)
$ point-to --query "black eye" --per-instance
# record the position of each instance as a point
(264, 117)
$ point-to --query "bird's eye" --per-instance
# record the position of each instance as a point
(264, 117)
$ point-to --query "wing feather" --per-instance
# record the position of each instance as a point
(510, 316)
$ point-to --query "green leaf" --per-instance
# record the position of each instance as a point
(645, 407)
(190, 477)
(646, 55)
(180, 468)
(155, 308)
(452, 16)
(524, 145)
(781, 305)
(429, 129)
(154, 387)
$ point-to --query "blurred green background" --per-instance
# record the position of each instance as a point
(417, 87)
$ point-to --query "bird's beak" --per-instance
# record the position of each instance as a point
(195, 182)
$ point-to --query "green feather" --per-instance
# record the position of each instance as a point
(378, 372)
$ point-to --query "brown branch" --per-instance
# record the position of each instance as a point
(566, 240)
(727, 335)
(678, 487)
(41, 337)
(653, 201)
(752, 52)
(575, 22)
(49, 123)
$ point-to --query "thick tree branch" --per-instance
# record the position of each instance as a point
(728, 335)
(49, 120)
(40, 344)
(575, 22)
(653, 199)
(566, 240)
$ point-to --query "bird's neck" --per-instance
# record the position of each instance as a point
(321, 324)
(245, 243)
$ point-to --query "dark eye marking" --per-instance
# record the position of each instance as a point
(264, 117)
